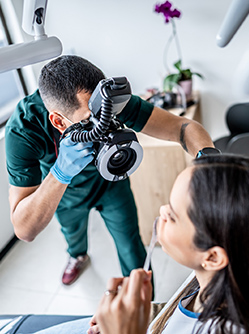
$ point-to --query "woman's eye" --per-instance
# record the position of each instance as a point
(171, 218)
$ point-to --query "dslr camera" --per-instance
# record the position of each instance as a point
(117, 150)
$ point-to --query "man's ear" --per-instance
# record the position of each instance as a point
(215, 259)
(57, 121)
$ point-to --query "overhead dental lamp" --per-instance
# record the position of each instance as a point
(235, 16)
(42, 48)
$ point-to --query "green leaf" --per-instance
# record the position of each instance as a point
(198, 74)
(171, 78)
(185, 74)
(178, 65)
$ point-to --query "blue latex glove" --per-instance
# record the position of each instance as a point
(72, 159)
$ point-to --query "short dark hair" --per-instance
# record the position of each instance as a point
(62, 78)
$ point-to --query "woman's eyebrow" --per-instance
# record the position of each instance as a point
(173, 210)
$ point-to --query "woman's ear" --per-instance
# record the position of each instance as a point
(215, 259)
(57, 121)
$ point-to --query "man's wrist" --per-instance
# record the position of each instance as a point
(59, 175)
(207, 151)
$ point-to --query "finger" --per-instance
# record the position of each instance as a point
(146, 291)
(93, 322)
(67, 141)
(83, 146)
(145, 276)
(87, 151)
(84, 162)
(147, 295)
(112, 289)
(114, 282)
(138, 280)
(87, 144)
(146, 300)
(93, 330)
(122, 288)
(140, 291)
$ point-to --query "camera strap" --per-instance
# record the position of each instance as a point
(56, 139)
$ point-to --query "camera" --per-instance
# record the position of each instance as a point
(117, 150)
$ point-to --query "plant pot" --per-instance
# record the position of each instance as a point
(187, 87)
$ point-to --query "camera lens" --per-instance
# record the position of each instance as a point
(119, 158)
(121, 161)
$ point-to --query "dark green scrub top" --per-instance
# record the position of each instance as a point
(31, 143)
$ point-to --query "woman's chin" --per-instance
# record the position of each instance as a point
(164, 249)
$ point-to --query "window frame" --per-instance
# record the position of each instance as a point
(20, 81)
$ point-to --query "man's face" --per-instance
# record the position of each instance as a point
(83, 113)
(62, 122)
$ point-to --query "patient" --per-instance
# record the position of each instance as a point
(204, 227)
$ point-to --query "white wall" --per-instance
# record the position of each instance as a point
(128, 38)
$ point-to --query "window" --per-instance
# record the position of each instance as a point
(12, 87)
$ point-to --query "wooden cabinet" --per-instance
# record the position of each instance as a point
(153, 180)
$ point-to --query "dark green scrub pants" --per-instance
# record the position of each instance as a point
(117, 208)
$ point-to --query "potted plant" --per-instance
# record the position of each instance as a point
(183, 78)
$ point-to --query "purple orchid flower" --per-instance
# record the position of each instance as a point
(166, 9)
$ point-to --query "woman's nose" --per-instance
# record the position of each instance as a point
(164, 212)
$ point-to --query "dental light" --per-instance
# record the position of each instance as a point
(42, 48)
(236, 14)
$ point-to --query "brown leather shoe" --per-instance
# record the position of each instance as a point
(74, 268)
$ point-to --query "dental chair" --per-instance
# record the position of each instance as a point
(17, 324)
(237, 120)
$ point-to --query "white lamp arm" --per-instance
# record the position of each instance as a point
(42, 48)
(237, 12)
(19, 55)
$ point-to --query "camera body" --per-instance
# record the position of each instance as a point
(117, 150)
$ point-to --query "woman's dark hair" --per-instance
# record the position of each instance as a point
(62, 78)
(219, 210)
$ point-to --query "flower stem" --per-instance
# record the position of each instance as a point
(176, 40)
(173, 36)
(166, 52)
